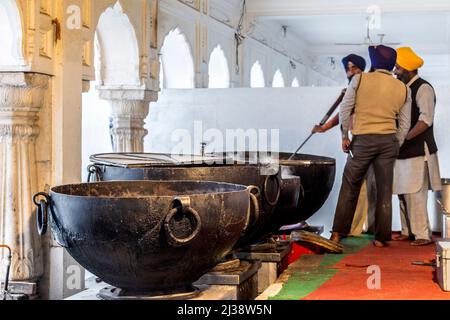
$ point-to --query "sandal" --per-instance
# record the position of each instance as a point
(402, 238)
(421, 243)
(379, 244)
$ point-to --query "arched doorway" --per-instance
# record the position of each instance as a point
(177, 65)
(257, 76)
(119, 51)
(295, 83)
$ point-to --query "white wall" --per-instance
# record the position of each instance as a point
(96, 137)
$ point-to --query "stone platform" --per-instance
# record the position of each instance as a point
(206, 293)
(241, 280)
(234, 285)
(273, 263)
(20, 291)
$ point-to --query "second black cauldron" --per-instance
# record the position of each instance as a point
(317, 175)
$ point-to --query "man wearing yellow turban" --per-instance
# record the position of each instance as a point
(417, 168)
(408, 59)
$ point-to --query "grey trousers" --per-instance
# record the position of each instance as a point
(414, 212)
(381, 151)
(364, 219)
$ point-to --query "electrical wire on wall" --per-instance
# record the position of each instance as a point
(239, 36)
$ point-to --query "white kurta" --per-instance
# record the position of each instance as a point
(409, 173)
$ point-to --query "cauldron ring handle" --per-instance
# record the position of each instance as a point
(254, 199)
(266, 184)
(41, 212)
(93, 169)
(173, 240)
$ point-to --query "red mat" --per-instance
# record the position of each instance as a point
(400, 280)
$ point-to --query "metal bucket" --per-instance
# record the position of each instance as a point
(444, 201)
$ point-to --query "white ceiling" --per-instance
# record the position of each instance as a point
(423, 25)
(426, 32)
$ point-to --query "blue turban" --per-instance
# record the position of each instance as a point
(382, 57)
(358, 61)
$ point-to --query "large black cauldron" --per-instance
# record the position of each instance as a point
(146, 236)
(317, 179)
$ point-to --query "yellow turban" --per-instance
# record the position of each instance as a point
(408, 59)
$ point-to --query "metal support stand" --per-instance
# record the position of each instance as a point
(5, 292)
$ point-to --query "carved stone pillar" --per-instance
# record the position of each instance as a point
(129, 109)
(21, 98)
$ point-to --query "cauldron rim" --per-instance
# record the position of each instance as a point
(96, 159)
(226, 162)
(237, 188)
(294, 162)
(313, 159)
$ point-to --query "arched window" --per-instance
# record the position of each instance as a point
(295, 83)
(177, 62)
(219, 74)
(257, 76)
(11, 34)
(119, 48)
(278, 80)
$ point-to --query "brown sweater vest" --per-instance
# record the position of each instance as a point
(379, 99)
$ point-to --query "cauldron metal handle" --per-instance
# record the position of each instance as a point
(93, 169)
(274, 202)
(255, 201)
(181, 205)
(41, 212)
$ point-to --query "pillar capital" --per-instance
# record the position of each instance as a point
(129, 93)
(22, 92)
(130, 107)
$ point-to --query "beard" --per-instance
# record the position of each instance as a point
(350, 78)
(403, 78)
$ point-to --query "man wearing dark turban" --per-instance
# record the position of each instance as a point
(353, 65)
(365, 210)
(381, 105)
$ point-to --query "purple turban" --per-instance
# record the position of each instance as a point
(382, 57)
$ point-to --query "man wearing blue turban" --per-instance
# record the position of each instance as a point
(380, 105)
(365, 210)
